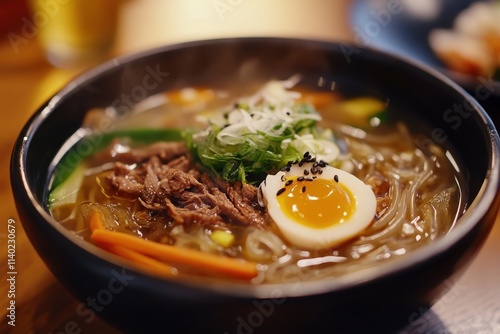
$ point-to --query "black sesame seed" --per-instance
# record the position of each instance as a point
(280, 191)
(336, 178)
(288, 113)
(315, 165)
(320, 171)
(306, 155)
(304, 189)
(323, 163)
(301, 162)
(309, 179)
(289, 182)
(300, 178)
(306, 172)
(283, 178)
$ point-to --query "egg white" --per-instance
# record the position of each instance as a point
(327, 237)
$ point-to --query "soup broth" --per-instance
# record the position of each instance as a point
(160, 176)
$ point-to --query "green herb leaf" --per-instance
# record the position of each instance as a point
(253, 139)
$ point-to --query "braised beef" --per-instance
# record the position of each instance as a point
(168, 182)
(126, 180)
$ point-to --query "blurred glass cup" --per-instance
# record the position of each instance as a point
(76, 32)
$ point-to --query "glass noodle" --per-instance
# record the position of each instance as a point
(420, 194)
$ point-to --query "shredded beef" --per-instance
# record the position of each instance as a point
(168, 182)
(126, 180)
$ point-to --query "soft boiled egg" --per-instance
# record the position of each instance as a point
(316, 206)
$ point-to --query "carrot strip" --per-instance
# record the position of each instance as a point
(317, 99)
(142, 261)
(95, 221)
(177, 255)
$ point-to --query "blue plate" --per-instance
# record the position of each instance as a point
(398, 26)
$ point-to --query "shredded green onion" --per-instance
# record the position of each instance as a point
(261, 133)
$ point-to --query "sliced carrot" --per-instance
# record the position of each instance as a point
(178, 255)
(142, 261)
(318, 99)
(95, 221)
(190, 97)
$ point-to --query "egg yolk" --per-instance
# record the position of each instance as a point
(319, 203)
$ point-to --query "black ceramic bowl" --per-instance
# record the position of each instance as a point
(387, 297)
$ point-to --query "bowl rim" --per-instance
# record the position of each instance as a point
(473, 214)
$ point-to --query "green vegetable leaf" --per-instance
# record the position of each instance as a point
(95, 142)
(254, 138)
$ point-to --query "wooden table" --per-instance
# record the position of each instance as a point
(26, 79)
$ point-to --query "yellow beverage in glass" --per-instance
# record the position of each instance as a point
(75, 32)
